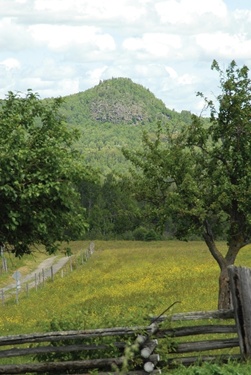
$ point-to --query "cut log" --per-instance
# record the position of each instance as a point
(148, 367)
(149, 348)
(151, 363)
(141, 339)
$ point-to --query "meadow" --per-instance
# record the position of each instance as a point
(124, 283)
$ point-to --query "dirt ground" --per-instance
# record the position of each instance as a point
(44, 267)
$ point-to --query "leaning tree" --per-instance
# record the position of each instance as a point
(200, 174)
(39, 173)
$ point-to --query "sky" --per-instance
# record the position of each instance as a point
(62, 47)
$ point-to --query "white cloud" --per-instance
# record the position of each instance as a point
(58, 46)
(55, 5)
(61, 37)
(51, 88)
(95, 75)
(189, 11)
(13, 37)
(171, 72)
(98, 9)
(10, 64)
(224, 45)
(154, 44)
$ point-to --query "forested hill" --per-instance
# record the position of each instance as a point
(116, 101)
(112, 115)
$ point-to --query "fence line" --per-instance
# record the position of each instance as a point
(141, 342)
(46, 274)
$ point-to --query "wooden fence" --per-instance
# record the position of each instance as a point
(167, 342)
(136, 348)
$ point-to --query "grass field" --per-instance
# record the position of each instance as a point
(122, 284)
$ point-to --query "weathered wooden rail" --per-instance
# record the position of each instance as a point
(185, 338)
(135, 350)
(144, 342)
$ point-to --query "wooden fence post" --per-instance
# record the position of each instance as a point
(43, 276)
(240, 285)
(91, 247)
(52, 274)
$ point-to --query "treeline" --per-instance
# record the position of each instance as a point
(113, 212)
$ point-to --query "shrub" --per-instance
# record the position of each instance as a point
(139, 234)
(151, 235)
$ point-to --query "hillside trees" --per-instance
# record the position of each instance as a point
(39, 172)
(112, 115)
(201, 175)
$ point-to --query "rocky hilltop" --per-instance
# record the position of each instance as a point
(116, 101)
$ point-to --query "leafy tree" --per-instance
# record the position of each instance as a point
(39, 170)
(201, 175)
(111, 208)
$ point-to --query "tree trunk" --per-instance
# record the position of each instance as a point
(235, 244)
(224, 289)
(224, 297)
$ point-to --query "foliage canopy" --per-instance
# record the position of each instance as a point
(39, 170)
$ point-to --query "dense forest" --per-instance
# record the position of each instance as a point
(110, 117)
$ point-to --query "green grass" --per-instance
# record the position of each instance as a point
(122, 284)
(231, 368)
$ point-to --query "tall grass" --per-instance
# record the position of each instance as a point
(122, 284)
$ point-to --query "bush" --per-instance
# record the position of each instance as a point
(139, 234)
(143, 234)
(151, 235)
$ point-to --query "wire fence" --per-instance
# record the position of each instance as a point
(46, 272)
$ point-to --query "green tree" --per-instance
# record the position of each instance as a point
(39, 172)
(201, 175)
(111, 208)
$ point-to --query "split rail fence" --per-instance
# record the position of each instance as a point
(143, 349)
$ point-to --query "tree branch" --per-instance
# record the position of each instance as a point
(209, 239)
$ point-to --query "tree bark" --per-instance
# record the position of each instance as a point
(224, 290)
(224, 297)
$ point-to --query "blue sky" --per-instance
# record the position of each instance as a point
(61, 47)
